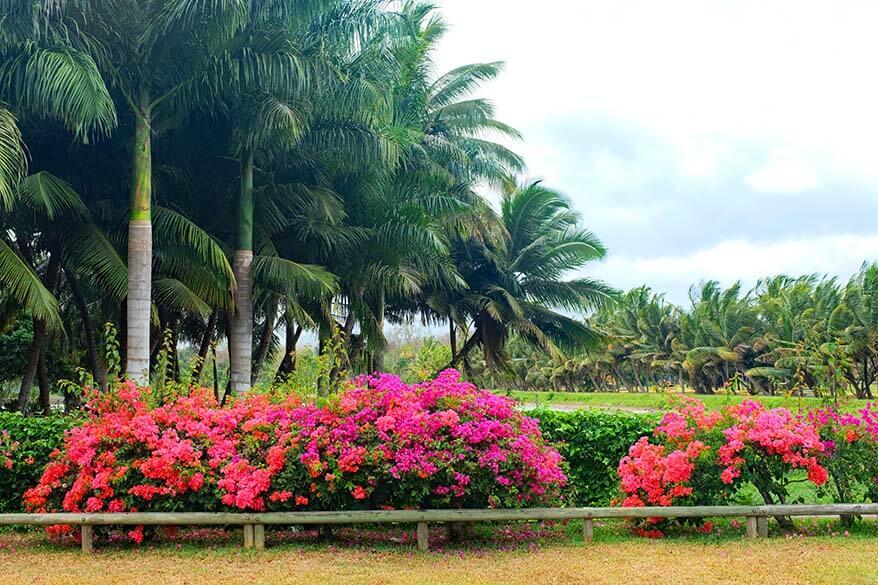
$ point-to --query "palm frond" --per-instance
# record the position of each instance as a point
(12, 159)
(23, 284)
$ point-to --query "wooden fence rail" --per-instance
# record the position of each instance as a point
(254, 523)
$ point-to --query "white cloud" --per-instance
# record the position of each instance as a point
(786, 176)
(785, 72)
(729, 261)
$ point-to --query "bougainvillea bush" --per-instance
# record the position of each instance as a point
(851, 444)
(380, 444)
(697, 457)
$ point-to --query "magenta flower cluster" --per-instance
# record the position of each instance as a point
(381, 444)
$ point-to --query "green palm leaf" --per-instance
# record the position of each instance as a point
(50, 196)
(25, 286)
(178, 297)
(292, 278)
(12, 159)
(60, 82)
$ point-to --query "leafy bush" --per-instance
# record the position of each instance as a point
(592, 442)
(25, 447)
(381, 444)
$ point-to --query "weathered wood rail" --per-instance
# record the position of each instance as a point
(254, 523)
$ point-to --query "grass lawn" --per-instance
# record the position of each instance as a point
(723, 557)
(660, 400)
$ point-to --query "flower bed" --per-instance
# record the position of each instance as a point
(381, 444)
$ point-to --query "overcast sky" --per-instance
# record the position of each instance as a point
(723, 139)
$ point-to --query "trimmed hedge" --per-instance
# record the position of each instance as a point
(592, 442)
(27, 442)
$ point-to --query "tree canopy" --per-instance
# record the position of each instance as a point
(195, 173)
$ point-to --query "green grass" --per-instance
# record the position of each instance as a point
(662, 400)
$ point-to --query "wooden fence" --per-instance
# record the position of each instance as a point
(254, 523)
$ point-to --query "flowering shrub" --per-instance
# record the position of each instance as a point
(763, 445)
(381, 444)
(696, 457)
(851, 445)
(437, 444)
(652, 476)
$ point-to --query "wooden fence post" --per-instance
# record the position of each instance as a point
(588, 530)
(423, 536)
(259, 536)
(87, 532)
(762, 526)
(248, 535)
(751, 527)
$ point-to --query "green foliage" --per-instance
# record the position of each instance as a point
(29, 443)
(592, 442)
(14, 344)
(417, 360)
(317, 375)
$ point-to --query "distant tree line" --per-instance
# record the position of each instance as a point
(788, 335)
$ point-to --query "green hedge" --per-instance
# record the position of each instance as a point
(37, 437)
(592, 442)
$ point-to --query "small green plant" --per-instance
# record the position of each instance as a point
(111, 352)
(317, 375)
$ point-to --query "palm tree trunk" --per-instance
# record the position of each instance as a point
(91, 347)
(204, 347)
(38, 342)
(265, 341)
(452, 335)
(45, 388)
(288, 364)
(140, 250)
(241, 330)
(378, 366)
(465, 350)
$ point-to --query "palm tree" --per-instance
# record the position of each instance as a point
(856, 320)
(55, 235)
(516, 284)
(292, 47)
(154, 55)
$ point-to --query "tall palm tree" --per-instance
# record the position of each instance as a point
(302, 53)
(154, 55)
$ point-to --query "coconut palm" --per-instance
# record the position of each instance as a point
(516, 284)
(41, 77)
(56, 236)
(856, 321)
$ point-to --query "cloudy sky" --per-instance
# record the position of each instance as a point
(726, 139)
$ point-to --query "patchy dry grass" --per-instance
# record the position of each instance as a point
(29, 559)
